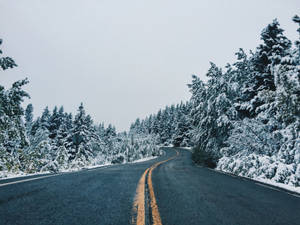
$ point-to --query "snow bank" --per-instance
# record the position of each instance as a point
(267, 169)
(144, 159)
(187, 148)
(8, 175)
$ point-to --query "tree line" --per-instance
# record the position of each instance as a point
(246, 118)
(57, 140)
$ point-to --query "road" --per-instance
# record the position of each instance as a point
(167, 190)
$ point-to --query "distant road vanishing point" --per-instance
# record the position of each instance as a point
(168, 190)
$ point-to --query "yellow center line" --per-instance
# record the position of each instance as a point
(139, 203)
(155, 213)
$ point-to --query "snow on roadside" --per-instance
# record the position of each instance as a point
(172, 146)
(187, 148)
(144, 159)
(4, 175)
(283, 186)
(266, 181)
(97, 166)
(75, 169)
(271, 170)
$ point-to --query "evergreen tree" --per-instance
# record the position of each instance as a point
(44, 120)
(181, 136)
(55, 121)
(6, 62)
(275, 46)
(12, 130)
(28, 117)
(82, 137)
(29, 121)
(296, 19)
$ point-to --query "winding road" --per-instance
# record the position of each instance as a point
(168, 190)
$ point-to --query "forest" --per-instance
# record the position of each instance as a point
(245, 119)
(57, 141)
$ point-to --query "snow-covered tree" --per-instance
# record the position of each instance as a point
(28, 117)
(13, 138)
(6, 62)
(82, 136)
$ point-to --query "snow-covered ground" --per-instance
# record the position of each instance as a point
(8, 175)
(274, 170)
(144, 159)
(187, 148)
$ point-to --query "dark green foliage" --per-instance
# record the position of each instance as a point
(118, 160)
(205, 158)
(29, 114)
(6, 62)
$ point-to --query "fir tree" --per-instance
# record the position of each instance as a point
(81, 136)
(275, 46)
(6, 62)
(28, 117)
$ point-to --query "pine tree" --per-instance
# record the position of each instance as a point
(296, 19)
(181, 136)
(82, 136)
(13, 135)
(13, 138)
(6, 62)
(28, 118)
(55, 121)
(275, 46)
(45, 118)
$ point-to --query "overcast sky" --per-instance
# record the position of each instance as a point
(127, 59)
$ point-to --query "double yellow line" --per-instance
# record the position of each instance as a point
(139, 202)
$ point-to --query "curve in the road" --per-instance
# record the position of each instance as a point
(138, 217)
(185, 194)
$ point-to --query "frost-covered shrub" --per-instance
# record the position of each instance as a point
(261, 167)
(133, 147)
(118, 160)
(283, 173)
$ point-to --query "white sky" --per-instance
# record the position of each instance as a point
(127, 59)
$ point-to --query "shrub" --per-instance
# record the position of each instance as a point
(118, 160)
(202, 157)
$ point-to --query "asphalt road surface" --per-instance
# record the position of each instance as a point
(167, 190)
